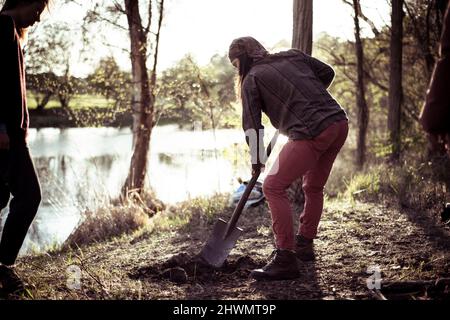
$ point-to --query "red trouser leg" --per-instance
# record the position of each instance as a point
(313, 160)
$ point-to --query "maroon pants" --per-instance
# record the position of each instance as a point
(312, 160)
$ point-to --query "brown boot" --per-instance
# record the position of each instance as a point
(304, 248)
(282, 266)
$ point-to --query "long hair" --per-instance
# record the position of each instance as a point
(12, 4)
(245, 64)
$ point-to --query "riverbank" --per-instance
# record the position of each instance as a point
(404, 243)
(82, 117)
(58, 117)
(85, 117)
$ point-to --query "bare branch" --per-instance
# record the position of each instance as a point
(150, 16)
(155, 59)
(423, 43)
(119, 8)
(100, 17)
(371, 24)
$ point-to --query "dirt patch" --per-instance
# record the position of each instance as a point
(184, 268)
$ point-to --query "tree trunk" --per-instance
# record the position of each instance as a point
(41, 104)
(142, 101)
(64, 100)
(395, 79)
(363, 110)
(303, 25)
(422, 36)
(302, 38)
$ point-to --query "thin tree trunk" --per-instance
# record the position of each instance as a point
(302, 25)
(302, 38)
(363, 110)
(64, 101)
(395, 79)
(142, 102)
(41, 104)
(423, 39)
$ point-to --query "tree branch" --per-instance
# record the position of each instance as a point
(155, 59)
(372, 26)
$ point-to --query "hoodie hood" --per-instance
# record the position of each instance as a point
(247, 45)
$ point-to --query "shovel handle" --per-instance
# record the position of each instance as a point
(240, 206)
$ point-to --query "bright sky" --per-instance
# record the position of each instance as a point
(206, 27)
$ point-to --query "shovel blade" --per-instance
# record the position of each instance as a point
(218, 247)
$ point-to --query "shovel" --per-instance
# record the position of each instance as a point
(225, 234)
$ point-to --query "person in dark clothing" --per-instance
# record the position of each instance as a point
(17, 173)
(290, 87)
(435, 115)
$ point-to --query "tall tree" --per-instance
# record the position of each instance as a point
(189, 93)
(425, 24)
(395, 78)
(143, 97)
(302, 38)
(66, 89)
(303, 25)
(48, 54)
(363, 110)
(143, 27)
(110, 82)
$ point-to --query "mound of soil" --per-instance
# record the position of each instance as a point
(183, 268)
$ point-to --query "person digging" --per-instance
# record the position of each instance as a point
(290, 87)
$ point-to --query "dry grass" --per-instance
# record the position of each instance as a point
(413, 184)
(106, 223)
(121, 217)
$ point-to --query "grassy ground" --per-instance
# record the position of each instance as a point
(405, 244)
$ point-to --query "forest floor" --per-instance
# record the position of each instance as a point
(354, 236)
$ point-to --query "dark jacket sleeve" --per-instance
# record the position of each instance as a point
(323, 71)
(251, 117)
(435, 115)
(6, 45)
